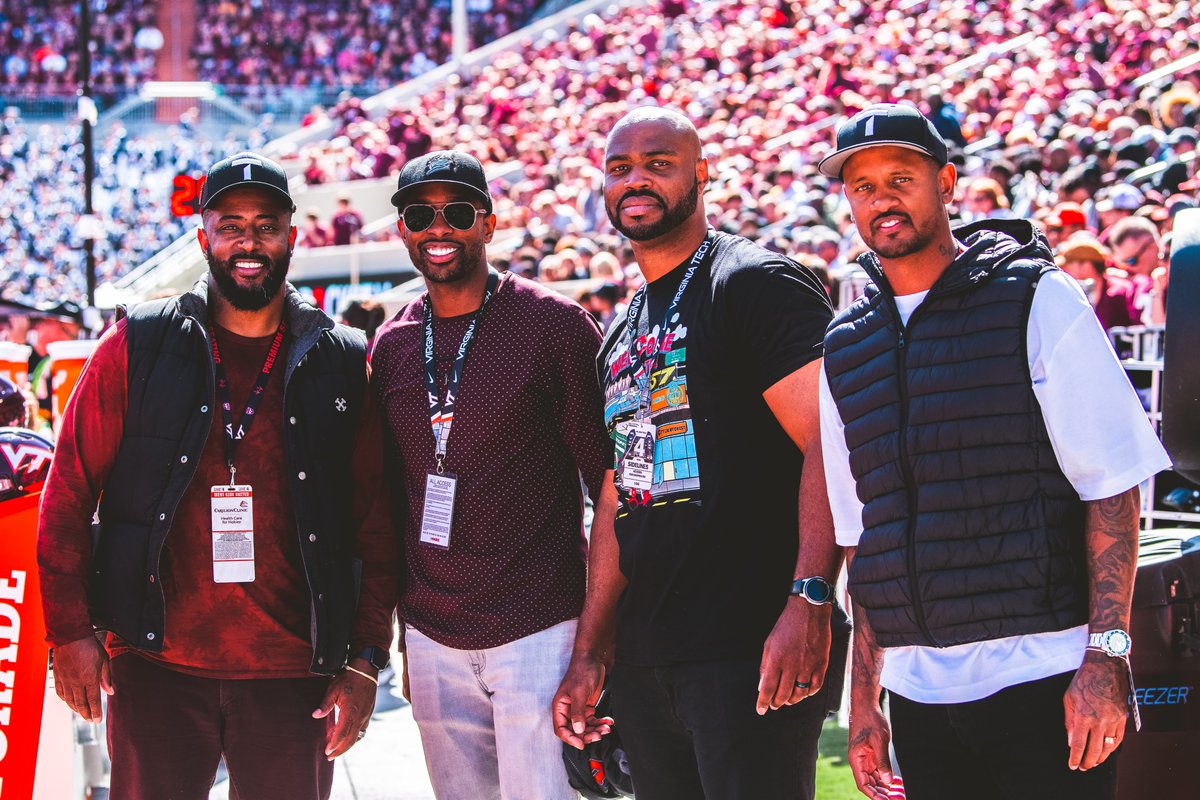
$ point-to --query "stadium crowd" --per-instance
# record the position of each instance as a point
(320, 43)
(41, 200)
(39, 46)
(1051, 125)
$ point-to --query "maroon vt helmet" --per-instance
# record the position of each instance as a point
(24, 461)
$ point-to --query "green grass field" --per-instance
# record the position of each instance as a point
(834, 781)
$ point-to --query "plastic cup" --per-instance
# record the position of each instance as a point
(66, 362)
(14, 362)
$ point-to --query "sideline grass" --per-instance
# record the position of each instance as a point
(834, 780)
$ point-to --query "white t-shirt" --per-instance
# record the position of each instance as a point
(1105, 445)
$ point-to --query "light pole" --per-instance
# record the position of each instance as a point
(89, 228)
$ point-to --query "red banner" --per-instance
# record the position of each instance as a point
(23, 649)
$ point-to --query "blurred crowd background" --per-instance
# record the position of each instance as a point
(1054, 111)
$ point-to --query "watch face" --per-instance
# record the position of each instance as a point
(1117, 643)
(818, 590)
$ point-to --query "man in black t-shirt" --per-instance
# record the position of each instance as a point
(717, 673)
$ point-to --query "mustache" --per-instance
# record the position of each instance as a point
(641, 193)
(887, 214)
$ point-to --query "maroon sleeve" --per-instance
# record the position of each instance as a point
(87, 445)
(377, 545)
(581, 414)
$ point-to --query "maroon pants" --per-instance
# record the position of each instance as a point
(167, 732)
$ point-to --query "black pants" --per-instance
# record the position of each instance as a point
(167, 732)
(691, 731)
(1009, 746)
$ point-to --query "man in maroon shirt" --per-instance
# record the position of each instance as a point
(229, 439)
(494, 549)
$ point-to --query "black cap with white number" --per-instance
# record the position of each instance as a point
(245, 169)
(884, 124)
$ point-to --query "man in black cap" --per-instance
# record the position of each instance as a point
(494, 413)
(990, 525)
(244, 567)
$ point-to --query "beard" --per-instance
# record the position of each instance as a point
(255, 296)
(673, 215)
(915, 240)
(469, 259)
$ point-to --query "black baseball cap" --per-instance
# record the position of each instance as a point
(245, 169)
(443, 166)
(884, 124)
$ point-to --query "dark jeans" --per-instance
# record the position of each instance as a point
(1009, 746)
(167, 732)
(691, 731)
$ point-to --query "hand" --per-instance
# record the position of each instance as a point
(868, 755)
(574, 706)
(354, 697)
(81, 672)
(1096, 708)
(797, 651)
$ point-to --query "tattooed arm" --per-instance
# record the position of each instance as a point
(1096, 701)
(869, 731)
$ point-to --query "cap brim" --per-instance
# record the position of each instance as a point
(398, 196)
(287, 198)
(831, 165)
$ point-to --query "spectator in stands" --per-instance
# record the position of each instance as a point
(1136, 249)
(347, 221)
(984, 199)
(1088, 261)
(312, 232)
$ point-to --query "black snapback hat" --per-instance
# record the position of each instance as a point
(884, 124)
(443, 166)
(245, 169)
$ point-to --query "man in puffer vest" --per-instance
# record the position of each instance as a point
(990, 523)
(244, 569)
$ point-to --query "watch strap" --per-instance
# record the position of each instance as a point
(377, 657)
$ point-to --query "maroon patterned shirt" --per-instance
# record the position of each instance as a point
(527, 424)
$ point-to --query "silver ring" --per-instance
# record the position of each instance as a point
(1110, 740)
(802, 684)
(361, 734)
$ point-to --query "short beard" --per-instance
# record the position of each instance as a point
(470, 257)
(672, 218)
(921, 238)
(251, 298)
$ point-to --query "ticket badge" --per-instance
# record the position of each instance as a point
(438, 515)
(233, 533)
(637, 466)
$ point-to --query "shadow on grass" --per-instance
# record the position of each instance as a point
(833, 744)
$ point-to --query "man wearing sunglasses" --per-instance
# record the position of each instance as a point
(491, 400)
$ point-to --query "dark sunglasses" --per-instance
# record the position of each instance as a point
(460, 216)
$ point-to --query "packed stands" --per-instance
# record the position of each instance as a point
(41, 200)
(39, 46)
(321, 43)
(1047, 100)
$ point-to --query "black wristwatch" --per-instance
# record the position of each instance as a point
(377, 657)
(816, 590)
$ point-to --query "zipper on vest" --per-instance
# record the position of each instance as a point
(910, 484)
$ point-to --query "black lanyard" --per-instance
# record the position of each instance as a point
(642, 360)
(232, 437)
(441, 412)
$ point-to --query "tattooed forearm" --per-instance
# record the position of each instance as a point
(1112, 540)
(867, 660)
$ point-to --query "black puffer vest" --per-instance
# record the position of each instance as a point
(167, 421)
(971, 530)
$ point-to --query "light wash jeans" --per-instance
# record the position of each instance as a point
(484, 716)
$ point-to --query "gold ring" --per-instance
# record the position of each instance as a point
(1110, 740)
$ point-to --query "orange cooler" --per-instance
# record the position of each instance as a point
(66, 362)
(14, 362)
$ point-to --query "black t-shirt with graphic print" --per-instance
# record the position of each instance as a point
(710, 548)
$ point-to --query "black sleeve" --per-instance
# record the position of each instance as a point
(776, 312)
